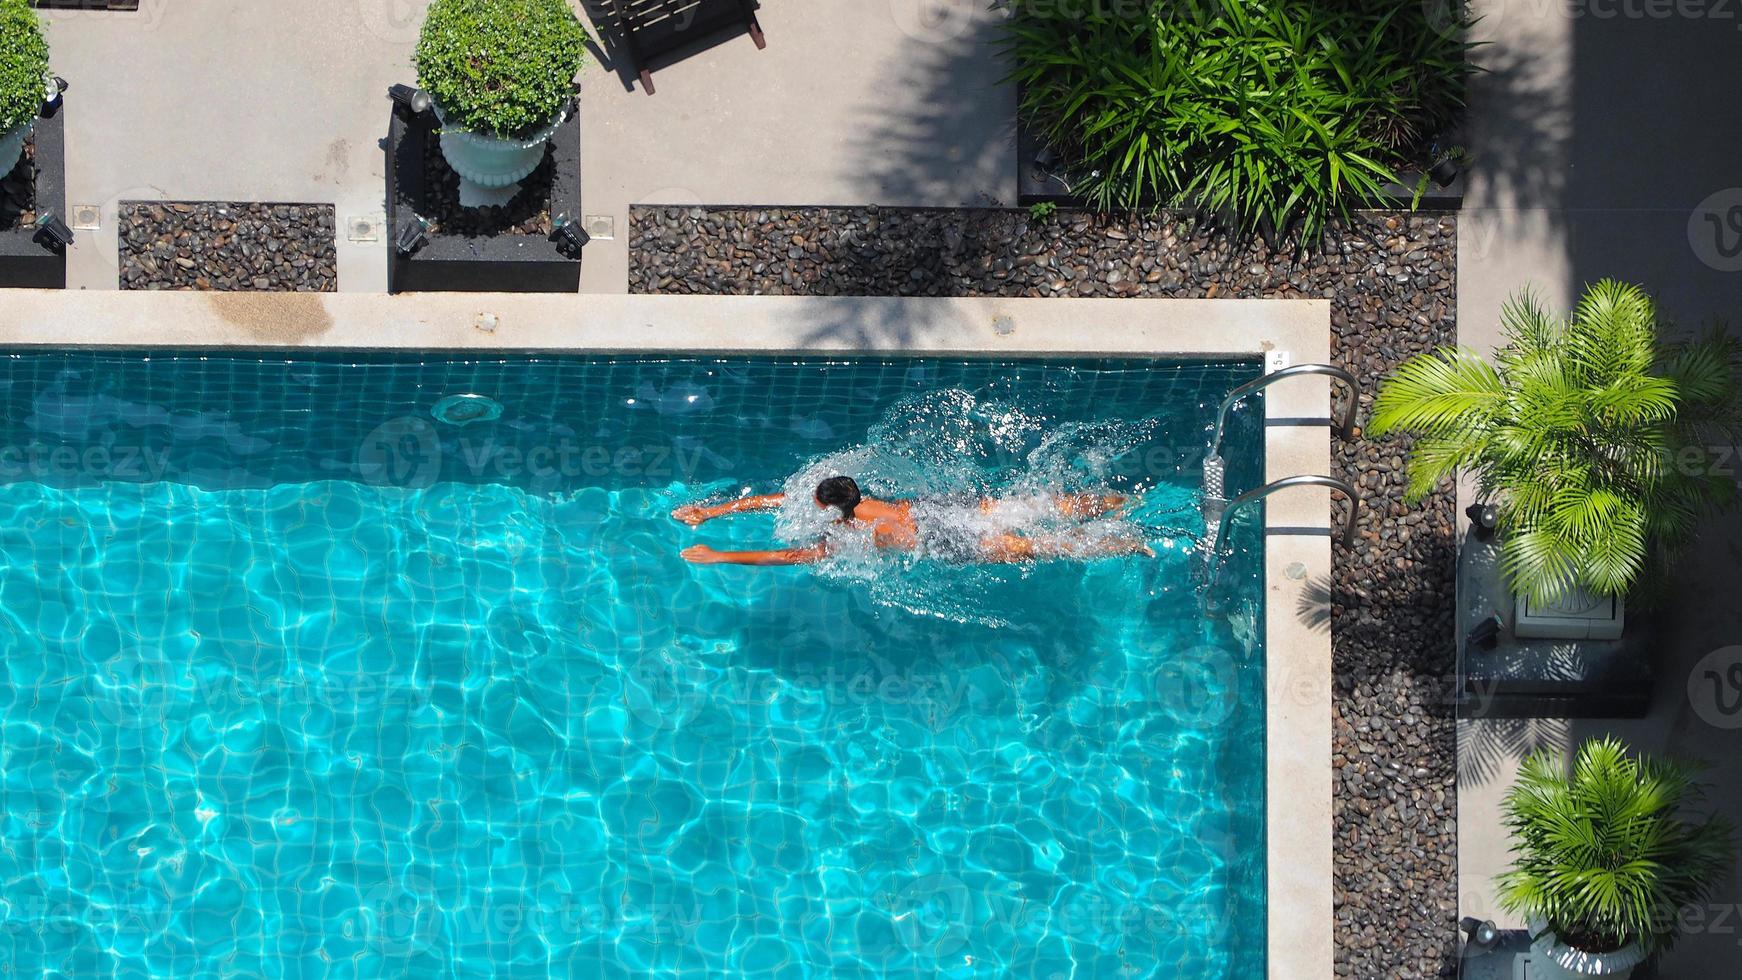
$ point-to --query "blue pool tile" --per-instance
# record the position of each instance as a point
(330, 689)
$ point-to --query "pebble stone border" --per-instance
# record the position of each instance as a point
(527, 213)
(228, 246)
(1391, 281)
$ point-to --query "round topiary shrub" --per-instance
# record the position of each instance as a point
(501, 67)
(1280, 113)
(23, 64)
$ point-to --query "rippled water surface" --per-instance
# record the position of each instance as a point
(300, 682)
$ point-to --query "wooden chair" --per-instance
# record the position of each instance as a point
(653, 28)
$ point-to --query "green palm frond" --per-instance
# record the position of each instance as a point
(1527, 326)
(1541, 564)
(1586, 430)
(1447, 391)
(1614, 331)
(1703, 373)
(1605, 854)
(1434, 458)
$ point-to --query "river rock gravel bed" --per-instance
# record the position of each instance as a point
(1391, 281)
(228, 246)
(527, 213)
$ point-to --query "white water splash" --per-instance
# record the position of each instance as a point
(949, 449)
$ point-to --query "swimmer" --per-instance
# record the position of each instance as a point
(893, 527)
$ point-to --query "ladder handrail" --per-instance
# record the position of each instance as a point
(1345, 427)
(1305, 480)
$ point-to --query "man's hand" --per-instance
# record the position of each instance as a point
(690, 514)
(699, 554)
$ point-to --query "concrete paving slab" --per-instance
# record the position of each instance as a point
(1599, 148)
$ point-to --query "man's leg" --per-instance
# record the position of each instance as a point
(1014, 547)
(1073, 505)
(1082, 505)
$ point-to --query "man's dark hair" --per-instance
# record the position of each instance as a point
(839, 491)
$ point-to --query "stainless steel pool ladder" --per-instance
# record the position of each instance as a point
(1217, 513)
(1345, 425)
(1225, 511)
(1217, 508)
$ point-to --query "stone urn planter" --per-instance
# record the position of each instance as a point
(500, 77)
(25, 83)
(1552, 959)
(491, 167)
(12, 144)
(435, 248)
(1590, 838)
(12, 140)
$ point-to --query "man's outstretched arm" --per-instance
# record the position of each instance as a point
(701, 554)
(694, 515)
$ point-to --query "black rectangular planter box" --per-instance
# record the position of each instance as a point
(27, 258)
(487, 263)
(1543, 678)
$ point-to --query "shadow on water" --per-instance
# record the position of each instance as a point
(827, 633)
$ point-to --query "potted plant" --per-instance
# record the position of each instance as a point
(1587, 432)
(500, 77)
(1603, 860)
(23, 78)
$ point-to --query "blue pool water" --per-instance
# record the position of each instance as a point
(299, 682)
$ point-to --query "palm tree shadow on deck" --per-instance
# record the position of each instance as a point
(1488, 748)
(1314, 607)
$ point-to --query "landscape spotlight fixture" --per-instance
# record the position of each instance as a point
(52, 87)
(1484, 635)
(1479, 933)
(52, 230)
(1446, 164)
(568, 233)
(415, 99)
(412, 235)
(1485, 518)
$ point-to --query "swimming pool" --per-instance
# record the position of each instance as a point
(302, 680)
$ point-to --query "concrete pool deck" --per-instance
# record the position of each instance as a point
(1297, 440)
(1561, 194)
